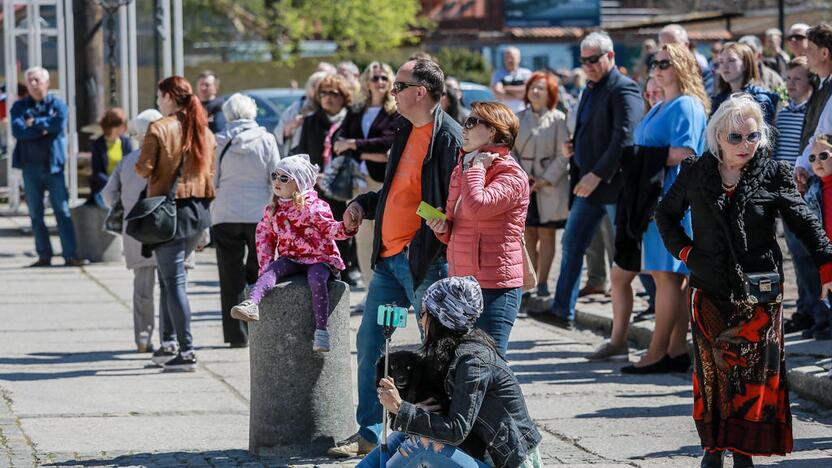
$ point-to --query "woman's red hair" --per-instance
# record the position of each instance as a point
(191, 115)
(552, 84)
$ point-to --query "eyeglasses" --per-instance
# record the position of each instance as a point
(332, 94)
(378, 78)
(661, 64)
(796, 37)
(822, 156)
(734, 138)
(472, 122)
(283, 178)
(592, 59)
(399, 86)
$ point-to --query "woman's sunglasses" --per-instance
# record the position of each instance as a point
(822, 156)
(378, 78)
(332, 94)
(283, 178)
(734, 138)
(661, 64)
(472, 122)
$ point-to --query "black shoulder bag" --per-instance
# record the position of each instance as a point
(153, 219)
(758, 288)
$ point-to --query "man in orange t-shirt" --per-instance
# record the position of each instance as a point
(407, 256)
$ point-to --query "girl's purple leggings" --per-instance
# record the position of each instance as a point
(317, 274)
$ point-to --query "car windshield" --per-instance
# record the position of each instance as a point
(280, 103)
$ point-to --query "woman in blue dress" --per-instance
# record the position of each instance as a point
(673, 130)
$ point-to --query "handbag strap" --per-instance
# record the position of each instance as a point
(219, 166)
(172, 192)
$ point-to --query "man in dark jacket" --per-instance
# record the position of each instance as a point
(609, 111)
(407, 256)
(38, 122)
(208, 86)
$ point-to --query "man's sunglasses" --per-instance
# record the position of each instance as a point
(592, 59)
(378, 78)
(822, 156)
(734, 138)
(399, 86)
(332, 94)
(796, 37)
(472, 122)
(283, 178)
(661, 64)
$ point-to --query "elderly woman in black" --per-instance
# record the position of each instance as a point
(487, 413)
(741, 400)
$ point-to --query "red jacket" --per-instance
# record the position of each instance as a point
(486, 228)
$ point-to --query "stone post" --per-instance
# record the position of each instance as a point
(93, 242)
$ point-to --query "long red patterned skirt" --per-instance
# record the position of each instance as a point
(740, 391)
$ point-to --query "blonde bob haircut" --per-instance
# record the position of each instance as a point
(365, 97)
(729, 117)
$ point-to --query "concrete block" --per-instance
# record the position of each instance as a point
(94, 243)
(301, 401)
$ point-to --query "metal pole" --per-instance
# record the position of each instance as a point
(167, 59)
(781, 16)
(123, 60)
(72, 132)
(133, 60)
(178, 46)
(10, 43)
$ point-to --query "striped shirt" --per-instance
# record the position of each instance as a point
(789, 123)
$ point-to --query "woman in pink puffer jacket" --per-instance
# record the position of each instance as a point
(486, 215)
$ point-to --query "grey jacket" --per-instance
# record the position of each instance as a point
(242, 179)
(539, 150)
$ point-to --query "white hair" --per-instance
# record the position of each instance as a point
(774, 32)
(512, 50)
(730, 116)
(138, 126)
(39, 70)
(802, 27)
(679, 33)
(239, 107)
(753, 42)
(597, 40)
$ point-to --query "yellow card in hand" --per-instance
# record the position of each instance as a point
(428, 212)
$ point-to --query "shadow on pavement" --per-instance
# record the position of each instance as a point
(181, 458)
(640, 412)
(74, 358)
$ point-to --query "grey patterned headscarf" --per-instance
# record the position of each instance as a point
(456, 302)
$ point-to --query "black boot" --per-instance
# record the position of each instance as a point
(712, 459)
(742, 460)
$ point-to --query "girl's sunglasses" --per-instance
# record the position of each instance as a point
(661, 64)
(472, 122)
(734, 138)
(378, 78)
(822, 156)
(283, 178)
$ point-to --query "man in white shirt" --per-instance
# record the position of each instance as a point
(509, 83)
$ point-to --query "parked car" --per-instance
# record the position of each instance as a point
(271, 102)
(473, 92)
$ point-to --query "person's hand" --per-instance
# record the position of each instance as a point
(430, 405)
(568, 149)
(825, 290)
(30, 121)
(388, 395)
(343, 144)
(539, 184)
(587, 185)
(437, 225)
(484, 160)
(801, 178)
(353, 216)
(292, 125)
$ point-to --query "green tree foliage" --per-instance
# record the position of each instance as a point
(464, 64)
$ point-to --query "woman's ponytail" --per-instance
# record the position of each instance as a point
(191, 115)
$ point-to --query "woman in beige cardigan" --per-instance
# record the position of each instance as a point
(539, 149)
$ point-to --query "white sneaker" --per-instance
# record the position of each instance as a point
(321, 343)
(246, 311)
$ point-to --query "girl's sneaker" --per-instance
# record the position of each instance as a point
(246, 311)
(184, 361)
(321, 343)
(165, 353)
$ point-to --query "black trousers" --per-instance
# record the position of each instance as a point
(237, 265)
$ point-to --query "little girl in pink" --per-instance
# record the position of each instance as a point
(297, 234)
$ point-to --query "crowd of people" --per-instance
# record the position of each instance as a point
(677, 178)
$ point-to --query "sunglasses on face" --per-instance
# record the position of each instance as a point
(734, 138)
(283, 178)
(822, 156)
(332, 94)
(472, 122)
(796, 37)
(592, 59)
(399, 86)
(661, 64)
(378, 78)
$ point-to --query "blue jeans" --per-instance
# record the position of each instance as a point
(170, 262)
(808, 280)
(37, 181)
(583, 222)
(392, 283)
(419, 455)
(500, 307)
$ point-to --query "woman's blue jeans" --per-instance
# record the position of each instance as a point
(170, 263)
(500, 308)
(404, 451)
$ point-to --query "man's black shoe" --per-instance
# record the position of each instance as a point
(797, 322)
(552, 319)
(42, 262)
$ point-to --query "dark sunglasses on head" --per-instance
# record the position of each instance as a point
(796, 37)
(472, 122)
(324, 94)
(735, 138)
(661, 64)
(283, 178)
(399, 86)
(822, 156)
(592, 59)
(378, 78)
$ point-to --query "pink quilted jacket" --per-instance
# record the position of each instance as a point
(486, 228)
(304, 234)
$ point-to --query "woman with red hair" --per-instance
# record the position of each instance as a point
(539, 149)
(178, 149)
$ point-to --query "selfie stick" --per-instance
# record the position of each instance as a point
(388, 334)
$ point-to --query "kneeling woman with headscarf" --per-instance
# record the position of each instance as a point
(487, 409)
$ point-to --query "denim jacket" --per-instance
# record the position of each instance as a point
(486, 401)
(41, 144)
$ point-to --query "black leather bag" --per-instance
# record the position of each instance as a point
(153, 220)
(115, 218)
(761, 288)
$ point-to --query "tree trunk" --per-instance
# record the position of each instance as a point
(89, 67)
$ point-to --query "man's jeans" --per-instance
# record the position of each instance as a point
(37, 181)
(170, 263)
(392, 283)
(581, 226)
(808, 280)
(420, 453)
(500, 308)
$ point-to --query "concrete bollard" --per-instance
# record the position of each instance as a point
(93, 242)
(301, 401)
